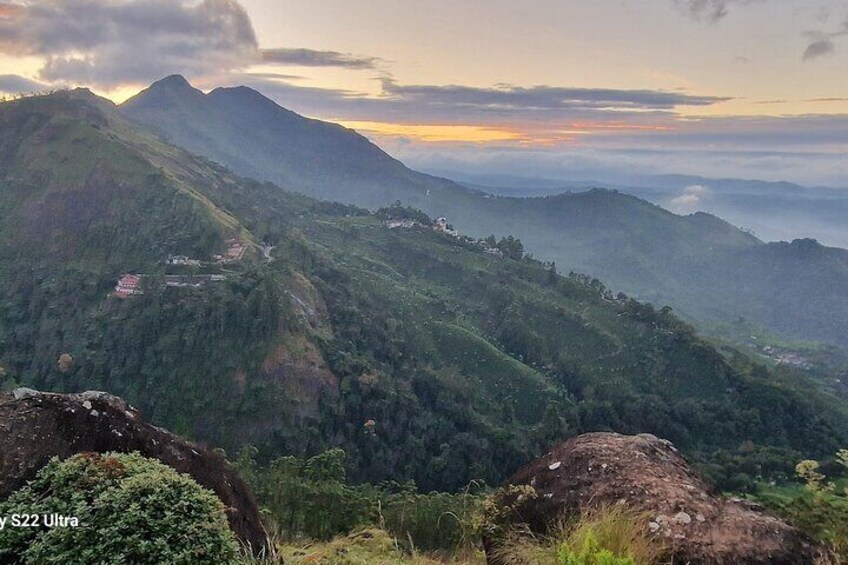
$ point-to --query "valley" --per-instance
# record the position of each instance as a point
(469, 360)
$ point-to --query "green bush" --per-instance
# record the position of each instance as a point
(820, 509)
(130, 510)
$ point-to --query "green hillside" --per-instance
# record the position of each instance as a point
(418, 352)
(707, 269)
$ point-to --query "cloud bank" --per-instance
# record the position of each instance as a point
(544, 97)
(690, 200)
(627, 166)
(536, 114)
(112, 42)
(14, 84)
(108, 43)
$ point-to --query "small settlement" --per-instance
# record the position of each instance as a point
(441, 225)
(236, 249)
(130, 284)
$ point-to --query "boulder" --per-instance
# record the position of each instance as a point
(649, 476)
(36, 426)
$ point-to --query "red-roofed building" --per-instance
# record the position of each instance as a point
(129, 285)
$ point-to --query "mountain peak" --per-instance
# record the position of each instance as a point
(169, 90)
(172, 82)
(245, 94)
(87, 95)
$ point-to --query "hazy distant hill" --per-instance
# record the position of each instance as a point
(418, 352)
(774, 211)
(702, 266)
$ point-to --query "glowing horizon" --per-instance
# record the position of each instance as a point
(729, 75)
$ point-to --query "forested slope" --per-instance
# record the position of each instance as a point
(423, 354)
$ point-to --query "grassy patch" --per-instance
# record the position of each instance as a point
(612, 536)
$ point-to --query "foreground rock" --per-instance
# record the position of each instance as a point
(36, 426)
(648, 475)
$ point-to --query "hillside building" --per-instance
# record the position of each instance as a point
(128, 285)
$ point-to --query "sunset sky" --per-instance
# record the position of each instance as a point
(752, 88)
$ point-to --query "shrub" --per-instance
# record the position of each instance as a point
(823, 511)
(130, 510)
(820, 508)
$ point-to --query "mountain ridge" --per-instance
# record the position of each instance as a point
(634, 246)
(263, 130)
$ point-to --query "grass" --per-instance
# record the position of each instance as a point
(610, 535)
(370, 546)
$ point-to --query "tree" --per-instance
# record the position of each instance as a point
(65, 363)
(511, 247)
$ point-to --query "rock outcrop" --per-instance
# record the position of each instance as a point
(649, 476)
(36, 426)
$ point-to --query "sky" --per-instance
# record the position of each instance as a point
(546, 88)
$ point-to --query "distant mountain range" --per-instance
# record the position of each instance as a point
(423, 354)
(774, 211)
(704, 267)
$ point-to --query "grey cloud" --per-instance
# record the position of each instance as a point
(823, 42)
(824, 132)
(545, 97)
(819, 48)
(541, 106)
(313, 58)
(15, 84)
(109, 42)
(271, 76)
(710, 10)
(827, 100)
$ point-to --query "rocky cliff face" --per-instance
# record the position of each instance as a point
(36, 426)
(649, 476)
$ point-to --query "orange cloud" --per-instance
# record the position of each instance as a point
(619, 126)
(435, 133)
(9, 10)
(463, 133)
